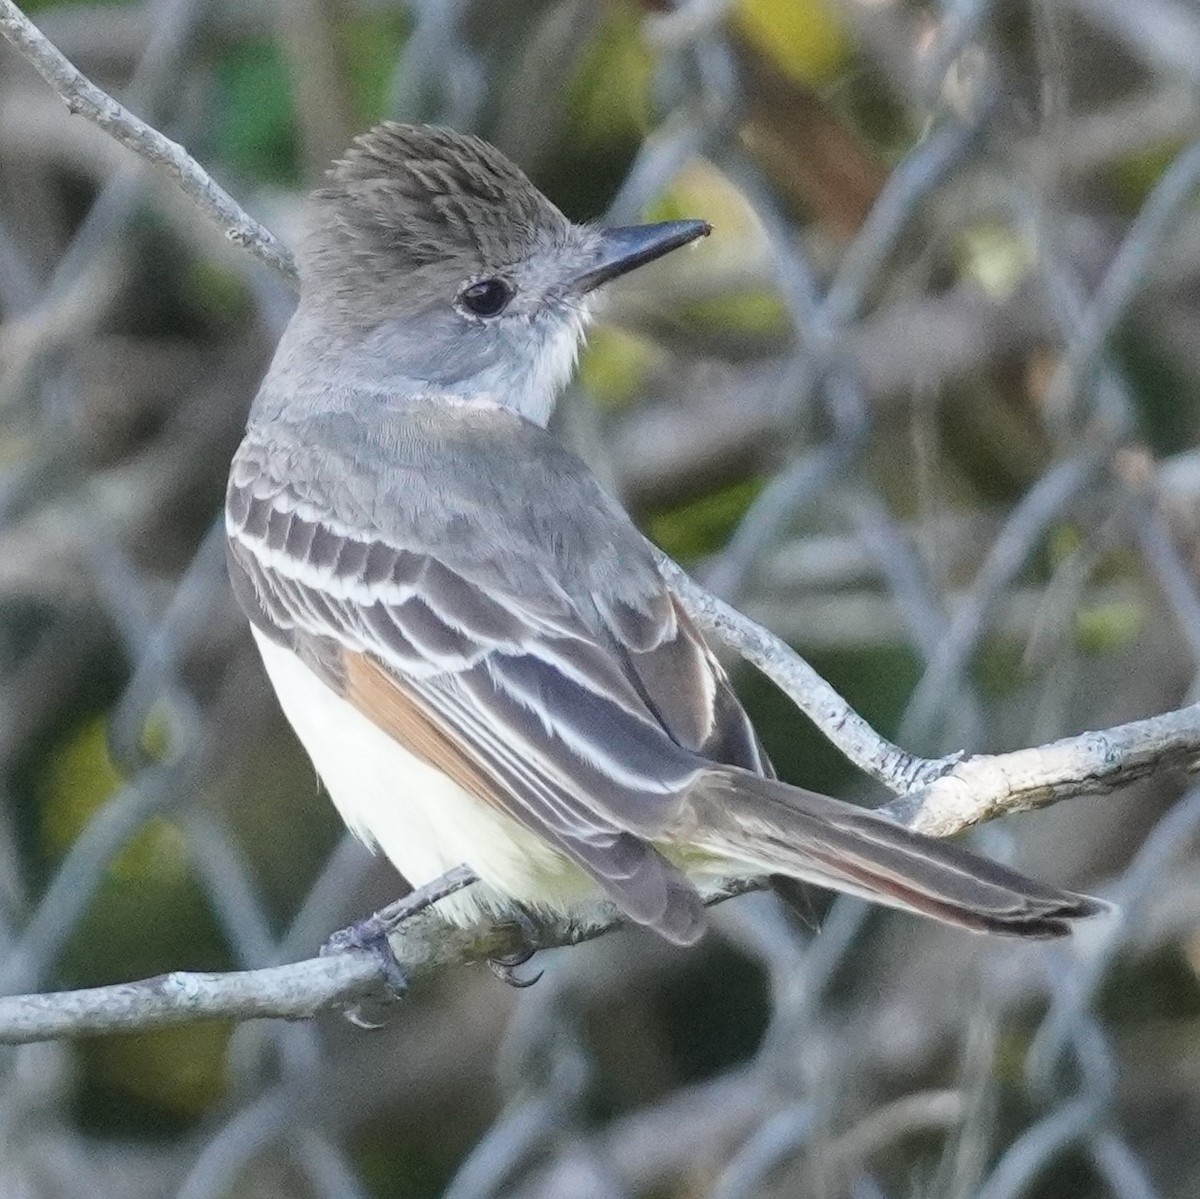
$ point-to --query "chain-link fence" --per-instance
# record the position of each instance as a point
(924, 406)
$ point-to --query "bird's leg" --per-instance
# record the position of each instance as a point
(505, 966)
(373, 932)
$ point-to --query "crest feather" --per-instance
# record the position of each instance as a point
(426, 194)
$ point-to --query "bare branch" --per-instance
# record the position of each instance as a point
(985, 786)
(974, 790)
(424, 944)
(292, 992)
(85, 99)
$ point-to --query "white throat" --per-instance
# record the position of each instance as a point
(550, 360)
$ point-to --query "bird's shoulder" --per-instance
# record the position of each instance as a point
(497, 499)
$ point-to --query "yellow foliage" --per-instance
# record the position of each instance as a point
(703, 525)
(802, 36)
(608, 98)
(702, 190)
(78, 779)
(1136, 174)
(182, 1070)
(1064, 541)
(1105, 627)
(614, 363)
(755, 312)
(218, 289)
(995, 257)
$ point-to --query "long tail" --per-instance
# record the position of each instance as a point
(786, 830)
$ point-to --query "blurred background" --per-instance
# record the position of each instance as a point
(925, 404)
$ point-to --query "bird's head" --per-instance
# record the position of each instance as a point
(438, 261)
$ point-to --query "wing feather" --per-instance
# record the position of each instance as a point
(474, 752)
(568, 716)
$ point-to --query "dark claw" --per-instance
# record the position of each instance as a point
(506, 971)
(505, 966)
(517, 958)
(355, 1014)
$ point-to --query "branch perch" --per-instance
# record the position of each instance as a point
(975, 790)
(423, 945)
(85, 99)
(895, 768)
(984, 786)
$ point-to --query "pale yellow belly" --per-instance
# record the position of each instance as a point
(419, 818)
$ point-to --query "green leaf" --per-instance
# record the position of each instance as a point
(1105, 628)
(256, 126)
(371, 44)
(609, 97)
(703, 525)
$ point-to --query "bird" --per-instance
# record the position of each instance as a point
(469, 635)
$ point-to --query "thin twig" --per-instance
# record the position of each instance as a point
(985, 786)
(85, 99)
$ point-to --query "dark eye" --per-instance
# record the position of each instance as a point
(488, 297)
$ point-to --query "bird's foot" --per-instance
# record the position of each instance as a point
(505, 966)
(373, 934)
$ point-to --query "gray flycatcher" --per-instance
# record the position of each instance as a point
(467, 633)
